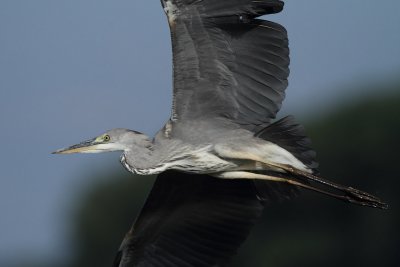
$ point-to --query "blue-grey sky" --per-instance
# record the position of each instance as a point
(71, 69)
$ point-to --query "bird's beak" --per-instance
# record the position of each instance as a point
(89, 146)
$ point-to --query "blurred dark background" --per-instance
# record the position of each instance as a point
(70, 70)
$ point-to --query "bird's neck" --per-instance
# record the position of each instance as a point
(141, 161)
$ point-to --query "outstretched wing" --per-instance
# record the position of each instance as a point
(227, 63)
(191, 220)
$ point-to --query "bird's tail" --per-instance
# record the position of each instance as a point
(291, 136)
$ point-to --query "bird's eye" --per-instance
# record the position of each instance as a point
(106, 138)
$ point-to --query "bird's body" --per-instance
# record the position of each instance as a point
(214, 153)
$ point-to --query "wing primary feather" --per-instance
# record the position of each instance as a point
(191, 220)
(222, 65)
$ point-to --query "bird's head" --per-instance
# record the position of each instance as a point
(113, 140)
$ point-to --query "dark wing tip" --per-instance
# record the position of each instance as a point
(212, 8)
(269, 7)
(191, 220)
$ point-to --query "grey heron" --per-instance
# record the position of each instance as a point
(220, 153)
(230, 75)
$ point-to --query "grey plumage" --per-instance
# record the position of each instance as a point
(235, 68)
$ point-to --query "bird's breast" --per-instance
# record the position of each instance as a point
(142, 171)
(196, 161)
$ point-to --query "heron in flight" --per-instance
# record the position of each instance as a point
(229, 79)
